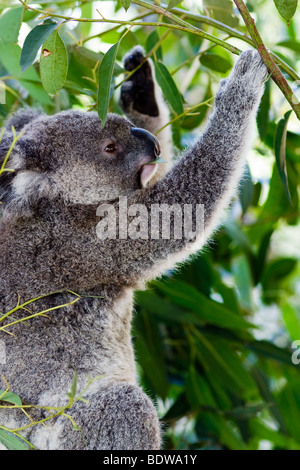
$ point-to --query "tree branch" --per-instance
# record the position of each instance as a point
(273, 69)
(177, 23)
(180, 25)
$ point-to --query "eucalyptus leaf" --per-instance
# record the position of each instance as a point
(280, 152)
(34, 40)
(11, 442)
(216, 356)
(10, 23)
(262, 118)
(10, 397)
(152, 40)
(221, 10)
(168, 87)
(291, 318)
(126, 4)
(198, 390)
(208, 310)
(271, 351)
(173, 3)
(105, 76)
(158, 160)
(286, 8)
(215, 62)
(53, 63)
(293, 45)
(10, 57)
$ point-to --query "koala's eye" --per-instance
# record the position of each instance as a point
(110, 148)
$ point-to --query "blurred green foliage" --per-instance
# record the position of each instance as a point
(213, 338)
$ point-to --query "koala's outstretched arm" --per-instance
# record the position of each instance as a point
(207, 175)
(142, 101)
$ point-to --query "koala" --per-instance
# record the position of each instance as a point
(63, 243)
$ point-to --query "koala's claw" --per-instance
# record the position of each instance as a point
(250, 64)
(134, 58)
(244, 86)
(137, 93)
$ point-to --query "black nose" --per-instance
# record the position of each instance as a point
(149, 139)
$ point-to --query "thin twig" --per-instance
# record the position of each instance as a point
(180, 26)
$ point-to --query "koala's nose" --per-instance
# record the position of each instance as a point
(150, 139)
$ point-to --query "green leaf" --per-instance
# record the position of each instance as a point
(274, 274)
(221, 10)
(11, 442)
(180, 407)
(10, 397)
(150, 351)
(173, 3)
(198, 272)
(152, 40)
(225, 432)
(286, 8)
(277, 204)
(85, 56)
(36, 91)
(199, 113)
(89, 59)
(158, 160)
(198, 390)
(73, 386)
(34, 40)
(243, 279)
(166, 310)
(54, 63)
(247, 412)
(126, 4)
(10, 57)
(293, 45)
(10, 23)
(207, 310)
(288, 401)
(217, 357)
(263, 433)
(105, 76)
(216, 62)
(262, 118)
(238, 236)
(291, 320)
(168, 86)
(270, 351)
(280, 152)
(261, 257)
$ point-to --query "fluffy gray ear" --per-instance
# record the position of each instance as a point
(22, 188)
(23, 151)
(6, 177)
(21, 118)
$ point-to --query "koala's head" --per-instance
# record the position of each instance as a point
(71, 155)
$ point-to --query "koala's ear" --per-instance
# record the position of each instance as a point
(26, 183)
(6, 176)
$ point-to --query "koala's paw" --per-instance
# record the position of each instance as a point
(250, 66)
(244, 86)
(137, 93)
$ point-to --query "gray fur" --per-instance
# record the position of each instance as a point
(49, 244)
